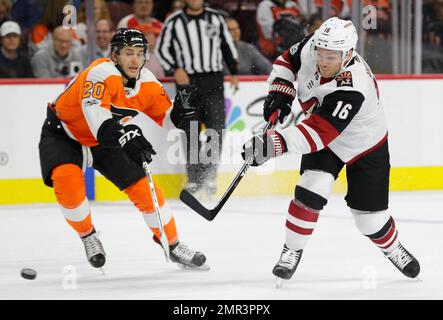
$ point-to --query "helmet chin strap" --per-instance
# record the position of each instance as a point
(131, 81)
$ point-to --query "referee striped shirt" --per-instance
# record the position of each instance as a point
(198, 44)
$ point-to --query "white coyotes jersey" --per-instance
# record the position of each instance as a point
(344, 113)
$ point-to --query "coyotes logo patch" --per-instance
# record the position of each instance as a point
(344, 79)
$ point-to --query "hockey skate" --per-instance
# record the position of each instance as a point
(404, 261)
(187, 258)
(286, 266)
(94, 250)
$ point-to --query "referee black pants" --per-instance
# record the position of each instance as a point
(211, 116)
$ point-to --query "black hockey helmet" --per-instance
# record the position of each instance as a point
(125, 37)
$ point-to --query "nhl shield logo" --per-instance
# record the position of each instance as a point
(344, 79)
(211, 30)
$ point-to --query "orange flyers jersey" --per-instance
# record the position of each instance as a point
(97, 94)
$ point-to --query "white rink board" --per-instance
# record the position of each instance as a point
(413, 111)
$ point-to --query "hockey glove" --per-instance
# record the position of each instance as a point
(134, 144)
(280, 97)
(187, 102)
(264, 147)
(112, 134)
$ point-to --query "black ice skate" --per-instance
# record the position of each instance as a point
(404, 261)
(287, 264)
(94, 250)
(187, 258)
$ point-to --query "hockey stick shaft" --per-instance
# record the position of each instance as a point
(210, 214)
(163, 238)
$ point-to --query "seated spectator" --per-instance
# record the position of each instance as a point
(251, 61)
(53, 16)
(26, 13)
(103, 36)
(5, 10)
(152, 33)
(59, 60)
(13, 64)
(101, 12)
(268, 14)
(142, 16)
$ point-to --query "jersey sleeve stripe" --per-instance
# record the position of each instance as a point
(317, 140)
(281, 72)
(308, 138)
(326, 131)
(284, 64)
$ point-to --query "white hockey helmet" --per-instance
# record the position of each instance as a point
(336, 34)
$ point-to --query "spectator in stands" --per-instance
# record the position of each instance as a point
(5, 10)
(142, 16)
(60, 59)
(53, 16)
(251, 61)
(433, 22)
(153, 64)
(336, 8)
(314, 22)
(26, 13)
(13, 64)
(103, 36)
(269, 12)
(175, 6)
(101, 12)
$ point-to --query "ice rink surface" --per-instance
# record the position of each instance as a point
(242, 245)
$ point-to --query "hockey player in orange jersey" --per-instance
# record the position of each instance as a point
(85, 123)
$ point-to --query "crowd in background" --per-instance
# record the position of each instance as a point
(34, 42)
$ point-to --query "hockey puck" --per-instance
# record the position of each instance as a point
(29, 274)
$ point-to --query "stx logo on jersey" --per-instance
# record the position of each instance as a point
(128, 136)
(344, 79)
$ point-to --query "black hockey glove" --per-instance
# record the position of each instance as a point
(187, 102)
(134, 144)
(280, 97)
(112, 134)
(264, 147)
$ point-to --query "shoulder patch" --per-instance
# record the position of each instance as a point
(294, 48)
(344, 79)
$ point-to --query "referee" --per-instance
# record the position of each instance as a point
(192, 46)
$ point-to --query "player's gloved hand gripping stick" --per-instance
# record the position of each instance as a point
(163, 238)
(210, 214)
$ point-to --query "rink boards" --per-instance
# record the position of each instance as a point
(412, 106)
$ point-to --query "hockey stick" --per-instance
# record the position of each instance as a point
(209, 214)
(163, 239)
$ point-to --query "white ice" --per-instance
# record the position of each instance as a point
(242, 245)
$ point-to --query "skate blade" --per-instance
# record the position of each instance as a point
(103, 271)
(203, 267)
(278, 282)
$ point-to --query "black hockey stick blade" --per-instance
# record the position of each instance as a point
(210, 214)
(188, 199)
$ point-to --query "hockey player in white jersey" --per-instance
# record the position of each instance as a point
(344, 125)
